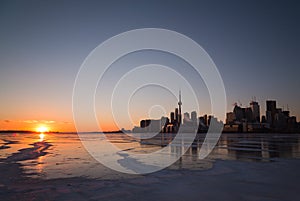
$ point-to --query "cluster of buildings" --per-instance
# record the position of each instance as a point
(165, 124)
(247, 119)
(189, 123)
(241, 119)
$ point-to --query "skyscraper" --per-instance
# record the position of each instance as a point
(176, 115)
(172, 115)
(194, 116)
(194, 119)
(271, 111)
(271, 105)
(179, 106)
(248, 114)
(205, 120)
(186, 117)
(239, 113)
(255, 111)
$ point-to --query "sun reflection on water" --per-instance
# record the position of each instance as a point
(42, 137)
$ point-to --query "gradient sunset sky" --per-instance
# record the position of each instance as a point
(254, 44)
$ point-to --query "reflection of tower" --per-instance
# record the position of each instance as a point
(179, 106)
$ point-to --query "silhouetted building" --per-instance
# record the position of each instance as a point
(179, 106)
(186, 115)
(172, 115)
(244, 119)
(209, 119)
(270, 113)
(145, 123)
(201, 120)
(202, 127)
(194, 116)
(286, 113)
(164, 121)
(151, 125)
(186, 118)
(155, 126)
(239, 113)
(205, 120)
(240, 120)
(230, 118)
(176, 115)
(271, 105)
(263, 119)
(292, 124)
(248, 114)
(255, 111)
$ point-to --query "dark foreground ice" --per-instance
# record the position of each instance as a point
(227, 180)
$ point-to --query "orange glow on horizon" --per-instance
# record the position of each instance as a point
(42, 129)
(58, 126)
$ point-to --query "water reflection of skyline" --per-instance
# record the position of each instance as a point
(259, 146)
(239, 146)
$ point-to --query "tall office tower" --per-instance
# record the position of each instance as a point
(249, 114)
(164, 121)
(209, 119)
(186, 117)
(179, 106)
(271, 105)
(255, 111)
(271, 111)
(172, 117)
(202, 121)
(194, 116)
(205, 120)
(239, 113)
(194, 119)
(176, 115)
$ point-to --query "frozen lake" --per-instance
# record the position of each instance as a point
(241, 167)
(67, 157)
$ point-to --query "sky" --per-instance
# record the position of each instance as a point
(254, 44)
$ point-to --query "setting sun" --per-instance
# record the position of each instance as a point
(42, 129)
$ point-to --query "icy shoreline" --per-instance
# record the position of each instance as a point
(227, 180)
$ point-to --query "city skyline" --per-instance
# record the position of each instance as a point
(241, 119)
(255, 46)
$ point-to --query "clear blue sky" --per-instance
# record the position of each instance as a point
(255, 45)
